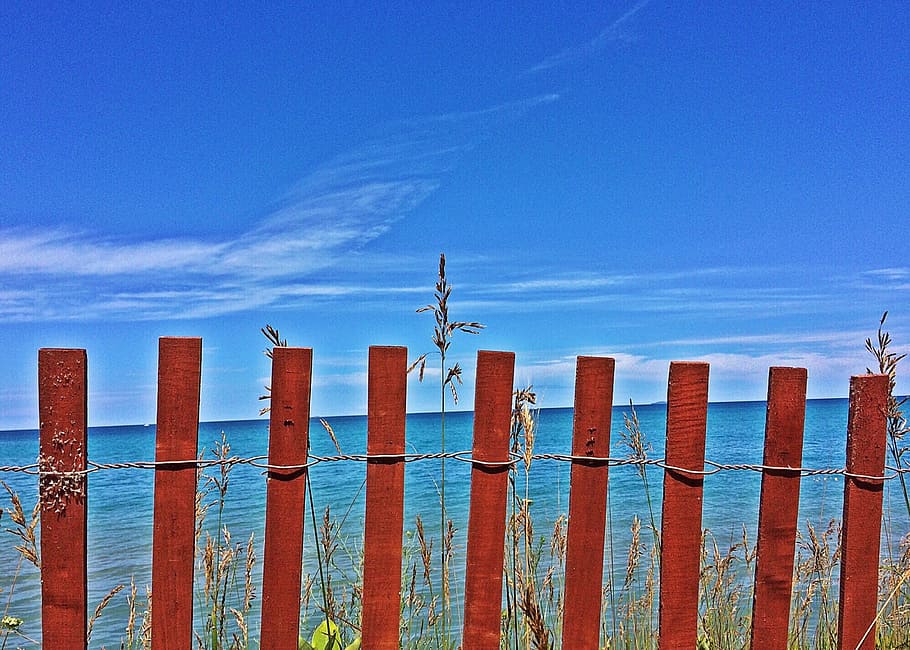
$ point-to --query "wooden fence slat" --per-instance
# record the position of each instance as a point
(680, 531)
(384, 520)
(587, 502)
(867, 430)
(176, 438)
(62, 406)
(289, 419)
(778, 514)
(487, 510)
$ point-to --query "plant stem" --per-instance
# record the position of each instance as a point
(325, 597)
(442, 500)
(896, 455)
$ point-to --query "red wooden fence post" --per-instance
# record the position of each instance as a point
(680, 530)
(867, 430)
(778, 514)
(62, 406)
(384, 498)
(587, 502)
(489, 490)
(173, 543)
(289, 419)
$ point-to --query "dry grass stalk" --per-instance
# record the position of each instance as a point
(25, 527)
(328, 428)
(448, 551)
(131, 619)
(633, 608)
(241, 638)
(249, 590)
(24, 530)
(336, 601)
(893, 617)
(725, 614)
(426, 551)
(141, 637)
(813, 617)
(443, 331)
(327, 540)
(533, 577)
(888, 362)
(638, 447)
(426, 555)
(635, 554)
(271, 334)
(538, 633)
(221, 561)
(99, 609)
(417, 613)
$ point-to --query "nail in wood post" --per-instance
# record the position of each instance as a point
(867, 431)
(587, 502)
(778, 515)
(62, 388)
(289, 419)
(176, 439)
(489, 489)
(385, 497)
(680, 549)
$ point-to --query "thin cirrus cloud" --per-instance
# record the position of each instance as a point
(894, 279)
(57, 252)
(733, 375)
(746, 290)
(338, 208)
(830, 339)
(616, 31)
(892, 273)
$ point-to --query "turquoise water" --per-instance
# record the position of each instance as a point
(120, 501)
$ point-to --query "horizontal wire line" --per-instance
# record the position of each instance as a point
(260, 462)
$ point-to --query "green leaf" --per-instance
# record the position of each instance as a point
(326, 637)
(302, 644)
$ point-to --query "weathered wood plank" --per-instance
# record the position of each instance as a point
(489, 491)
(587, 502)
(778, 514)
(384, 498)
(62, 406)
(289, 419)
(173, 541)
(687, 407)
(867, 430)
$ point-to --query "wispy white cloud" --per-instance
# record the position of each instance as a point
(508, 110)
(894, 273)
(733, 375)
(617, 31)
(333, 212)
(575, 281)
(56, 252)
(894, 278)
(840, 338)
(740, 294)
(642, 297)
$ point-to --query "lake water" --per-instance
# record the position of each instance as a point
(120, 501)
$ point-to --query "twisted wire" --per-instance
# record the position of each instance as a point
(709, 468)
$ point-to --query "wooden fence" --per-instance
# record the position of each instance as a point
(62, 405)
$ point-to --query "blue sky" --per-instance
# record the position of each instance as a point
(651, 181)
